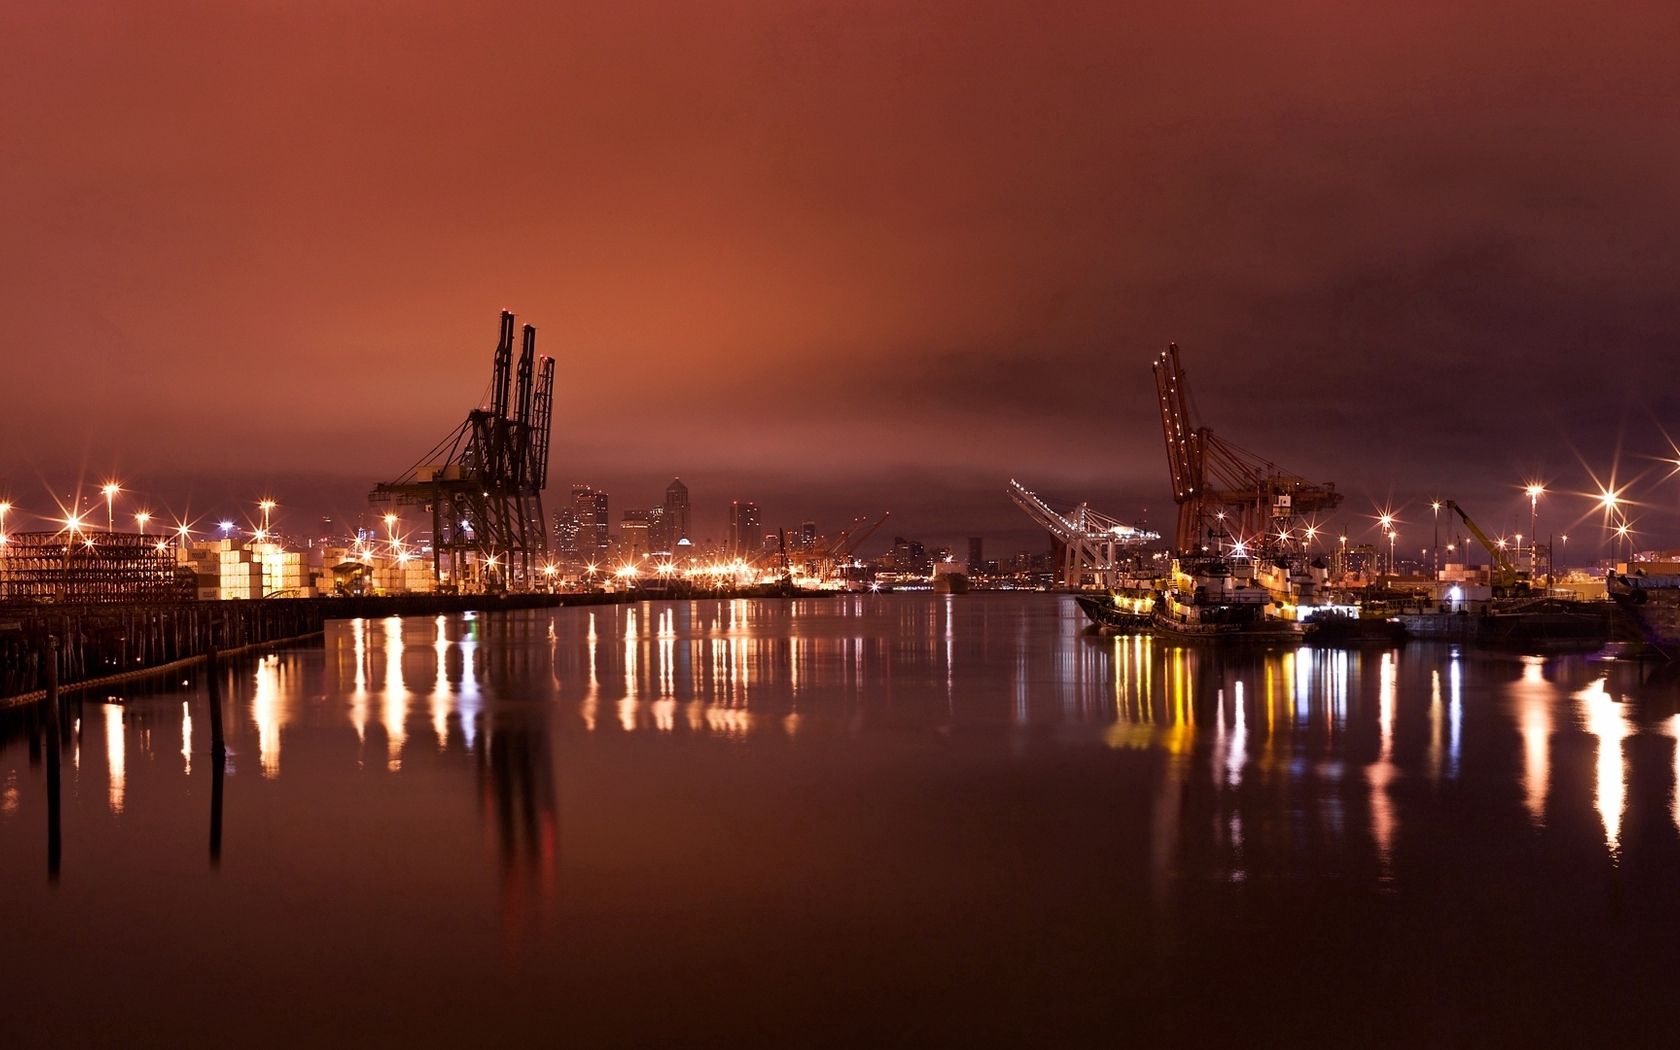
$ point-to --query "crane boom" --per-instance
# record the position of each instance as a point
(1500, 561)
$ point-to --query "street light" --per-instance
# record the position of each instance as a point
(110, 490)
(140, 519)
(266, 506)
(1622, 534)
(1535, 490)
(1435, 548)
(5, 509)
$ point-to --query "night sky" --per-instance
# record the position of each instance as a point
(841, 258)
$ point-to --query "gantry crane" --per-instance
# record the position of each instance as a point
(1222, 490)
(483, 483)
(1090, 544)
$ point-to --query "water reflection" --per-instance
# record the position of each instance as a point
(116, 752)
(1535, 699)
(1607, 720)
(1287, 761)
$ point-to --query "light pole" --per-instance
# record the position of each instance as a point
(1607, 499)
(110, 490)
(267, 507)
(5, 509)
(140, 519)
(1534, 490)
(1622, 534)
(1435, 509)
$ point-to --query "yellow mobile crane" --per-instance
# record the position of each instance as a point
(1508, 580)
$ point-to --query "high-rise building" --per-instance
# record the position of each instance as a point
(633, 540)
(807, 535)
(676, 522)
(566, 535)
(744, 536)
(976, 555)
(593, 523)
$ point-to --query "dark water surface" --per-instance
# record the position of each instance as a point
(854, 821)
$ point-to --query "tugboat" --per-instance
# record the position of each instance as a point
(1218, 597)
(1123, 610)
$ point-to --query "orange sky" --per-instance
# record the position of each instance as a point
(838, 256)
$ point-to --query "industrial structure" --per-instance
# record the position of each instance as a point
(483, 483)
(87, 567)
(1091, 547)
(1224, 492)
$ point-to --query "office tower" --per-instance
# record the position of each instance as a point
(743, 528)
(594, 523)
(676, 523)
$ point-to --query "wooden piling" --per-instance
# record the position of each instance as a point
(55, 839)
(213, 671)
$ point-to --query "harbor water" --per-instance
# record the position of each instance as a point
(864, 820)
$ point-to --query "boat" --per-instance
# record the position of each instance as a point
(1116, 611)
(1340, 627)
(1536, 622)
(950, 578)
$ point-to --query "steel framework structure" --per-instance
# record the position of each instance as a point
(483, 483)
(89, 567)
(1221, 489)
(1092, 544)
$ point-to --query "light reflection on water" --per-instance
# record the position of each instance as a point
(730, 670)
(1241, 767)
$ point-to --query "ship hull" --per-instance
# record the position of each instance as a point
(1653, 605)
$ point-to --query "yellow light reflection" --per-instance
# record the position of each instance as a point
(114, 756)
(395, 709)
(265, 709)
(1674, 795)
(1435, 726)
(591, 698)
(1236, 756)
(1534, 722)
(359, 690)
(440, 684)
(1607, 720)
(1381, 773)
(186, 736)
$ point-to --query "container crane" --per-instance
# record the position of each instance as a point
(1220, 488)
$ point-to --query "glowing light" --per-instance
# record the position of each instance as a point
(226, 527)
(115, 756)
(1607, 720)
(1609, 499)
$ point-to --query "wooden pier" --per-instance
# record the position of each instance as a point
(105, 643)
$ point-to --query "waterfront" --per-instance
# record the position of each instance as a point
(901, 818)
